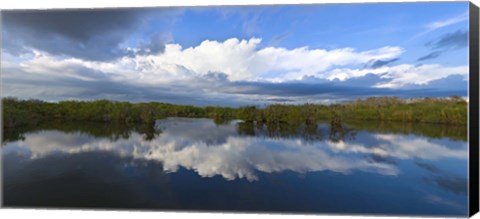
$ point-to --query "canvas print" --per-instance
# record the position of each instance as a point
(316, 109)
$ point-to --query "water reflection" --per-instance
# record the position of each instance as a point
(113, 131)
(447, 181)
(243, 152)
(209, 149)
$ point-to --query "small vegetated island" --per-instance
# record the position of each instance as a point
(451, 110)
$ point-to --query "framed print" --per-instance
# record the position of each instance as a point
(326, 109)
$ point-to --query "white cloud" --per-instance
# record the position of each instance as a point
(408, 74)
(430, 27)
(450, 21)
(403, 147)
(240, 60)
(347, 73)
(401, 75)
(244, 60)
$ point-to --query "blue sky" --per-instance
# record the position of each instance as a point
(329, 26)
(238, 55)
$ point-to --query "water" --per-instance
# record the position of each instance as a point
(196, 164)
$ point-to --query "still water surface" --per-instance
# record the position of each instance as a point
(196, 164)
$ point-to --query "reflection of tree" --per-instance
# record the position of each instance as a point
(282, 130)
(312, 132)
(307, 131)
(278, 130)
(149, 131)
(113, 131)
(220, 121)
(340, 132)
(246, 128)
(273, 130)
(456, 132)
(10, 135)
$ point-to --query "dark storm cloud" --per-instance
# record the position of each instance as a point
(311, 86)
(450, 41)
(348, 89)
(299, 89)
(431, 55)
(155, 45)
(68, 86)
(278, 100)
(453, 85)
(87, 84)
(105, 89)
(85, 34)
(367, 80)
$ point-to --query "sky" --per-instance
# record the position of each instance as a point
(237, 55)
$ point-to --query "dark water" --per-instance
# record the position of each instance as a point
(195, 164)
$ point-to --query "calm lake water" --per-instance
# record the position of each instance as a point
(196, 164)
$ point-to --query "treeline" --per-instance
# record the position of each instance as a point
(313, 132)
(451, 110)
(26, 112)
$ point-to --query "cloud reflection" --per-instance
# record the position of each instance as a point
(212, 150)
(404, 147)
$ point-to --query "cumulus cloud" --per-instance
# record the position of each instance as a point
(232, 72)
(239, 59)
(245, 60)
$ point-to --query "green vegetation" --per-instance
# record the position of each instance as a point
(451, 111)
(28, 112)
